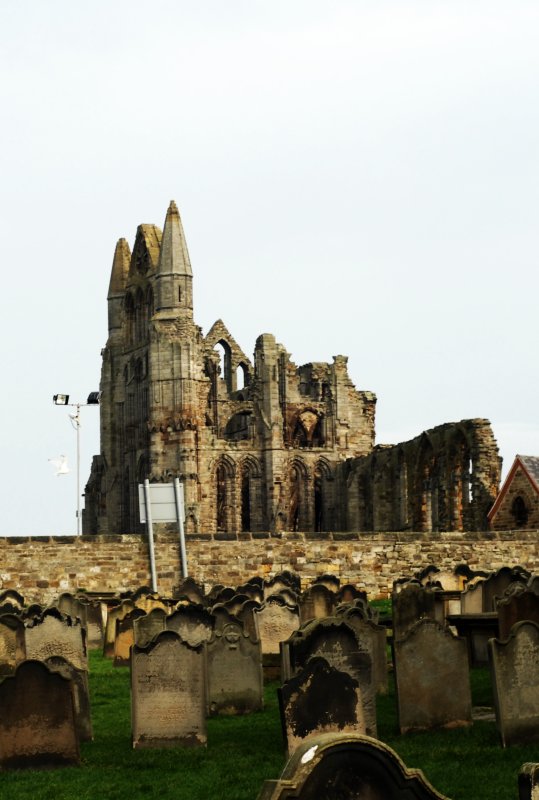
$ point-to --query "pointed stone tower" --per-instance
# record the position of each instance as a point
(174, 278)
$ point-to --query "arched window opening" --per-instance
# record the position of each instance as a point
(130, 318)
(238, 427)
(225, 358)
(245, 501)
(519, 511)
(221, 497)
(139, 316)
(318, 501)
(295, 499)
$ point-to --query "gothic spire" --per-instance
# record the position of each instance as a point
(174, 276)
(120, 268)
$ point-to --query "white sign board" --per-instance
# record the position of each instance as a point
(163, 502)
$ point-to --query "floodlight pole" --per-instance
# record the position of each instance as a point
(61, 400)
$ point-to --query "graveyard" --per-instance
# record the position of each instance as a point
(270, 689)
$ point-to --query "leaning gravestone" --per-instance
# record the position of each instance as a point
(37, 722)
(55, 634)
(193, 623)
(320, 699)
(168, 693)
(337, 642)
(12, 645)
(431, 678)
(125, 637)
(338, 766)
(234, 663)
(81, 694)
(114, 613)
(514, 667)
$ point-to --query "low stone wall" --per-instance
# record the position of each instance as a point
(41, 568)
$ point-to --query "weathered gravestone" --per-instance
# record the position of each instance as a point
(37, 721)
(55, 634)
(12, 643)
(348, 593)
(74, 607)
(412, 603)
(495, 585)
(337, 642)
(168, 693)
(319, 699)
(192, 590)
(348, 767)
(332, 582)
(514, 666)
(193, 623)
(13, 597)
(316, 602)
(431, 678)
(114, 613)
(528, 782)
(247, 618)
(275, 621)
(521, 605)
(125, 637)
(375, 639)
(148, 626)
(80, 692)
(234, 664)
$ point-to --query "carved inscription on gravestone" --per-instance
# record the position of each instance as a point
(168, 693)
(54, 634)
(275, 622)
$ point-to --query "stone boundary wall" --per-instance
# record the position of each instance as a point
(43, 567)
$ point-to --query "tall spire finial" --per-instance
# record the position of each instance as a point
(120, 267)
(174, 257)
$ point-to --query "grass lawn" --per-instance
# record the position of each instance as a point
(243, 751)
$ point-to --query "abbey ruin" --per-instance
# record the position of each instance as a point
(262, 444)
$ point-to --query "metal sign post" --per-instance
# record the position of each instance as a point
(163, 502)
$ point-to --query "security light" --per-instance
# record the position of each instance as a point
(93, 398)
(61, 399)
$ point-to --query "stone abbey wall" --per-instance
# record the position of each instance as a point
(41, 568)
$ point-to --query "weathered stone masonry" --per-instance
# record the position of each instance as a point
(41, 568)
(262, 444)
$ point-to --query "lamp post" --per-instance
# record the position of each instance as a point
(63, 400)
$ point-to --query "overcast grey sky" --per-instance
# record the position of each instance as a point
(354, 177)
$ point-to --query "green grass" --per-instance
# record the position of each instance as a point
(466, 764)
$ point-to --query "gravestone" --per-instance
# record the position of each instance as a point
(331, 582)
(275, 622)
(168, 693)
(514, 666)
(431, 678)
(252, 591)
(236, 602)
(375, 639)
(234, 663)
(337, 766)
(13, 597)
(471, 599)
(148, 626)
(81, 694)
(316, 602)
(125, 637)
(37, 722)
(495, 585)
(348, 592)
(521, 605)
(412, 603)
(247, 618)
(337, 642)
(55, 634)
(189, 588)
(319, 699)
(12, 643)
(193, 623)
(74, 607)
(114, 613)
(528, 782)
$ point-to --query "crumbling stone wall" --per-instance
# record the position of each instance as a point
(445, 479)
(259, 445)
(41, 568)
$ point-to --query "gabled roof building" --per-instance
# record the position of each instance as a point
(517, 504)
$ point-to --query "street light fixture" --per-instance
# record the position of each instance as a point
(63, 400)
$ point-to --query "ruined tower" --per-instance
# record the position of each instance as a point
(257, 445)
